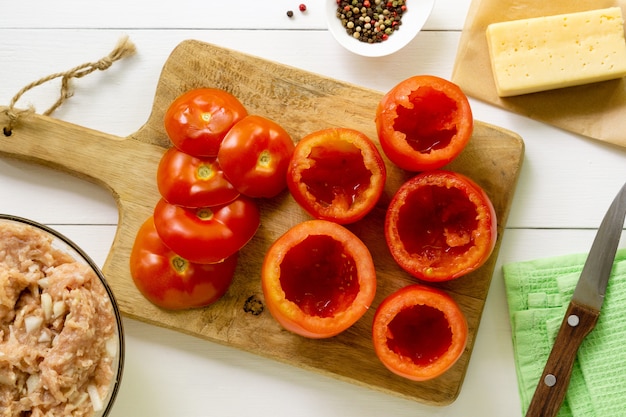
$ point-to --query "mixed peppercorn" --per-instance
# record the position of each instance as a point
(371, 21)
(301, 7)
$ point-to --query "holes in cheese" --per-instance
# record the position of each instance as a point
(550, 52)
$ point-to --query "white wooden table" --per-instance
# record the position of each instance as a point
(565, 186)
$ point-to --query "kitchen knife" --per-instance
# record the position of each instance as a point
(582, 313)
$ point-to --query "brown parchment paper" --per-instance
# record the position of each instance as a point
(595, 110)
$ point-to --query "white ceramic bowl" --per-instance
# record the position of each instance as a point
(114, 352)
(413, 19)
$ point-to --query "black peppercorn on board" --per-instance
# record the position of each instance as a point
(301, 102)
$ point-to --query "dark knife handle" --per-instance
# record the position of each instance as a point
(578, 322)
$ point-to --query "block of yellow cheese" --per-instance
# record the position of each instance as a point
(550, 52)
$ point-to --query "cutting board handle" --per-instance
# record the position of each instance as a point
(99, 157)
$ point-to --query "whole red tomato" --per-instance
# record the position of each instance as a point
(207, 234)
(440, 225)
(424, 122)
(336, 174)
(198, 120)
(419, 332)
(318, 279)
(172, 282)
(254, 156)
(190, 181)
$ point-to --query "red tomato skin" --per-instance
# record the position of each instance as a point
(290, 315)
(433, 255)
(318, 166)
(190, 286)
(197, 121)
(201, 239)
(450, 326)
(429, 112)
(254, 155)
(190, 181)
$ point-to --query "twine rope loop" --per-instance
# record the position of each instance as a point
(123, 49)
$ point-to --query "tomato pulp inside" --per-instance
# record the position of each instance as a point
(421, 333)
(431, 123)
(325, 185)
(319, 276)
(436, 224)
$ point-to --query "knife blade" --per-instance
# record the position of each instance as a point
(582, 312)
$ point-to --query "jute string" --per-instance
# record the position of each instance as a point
(123, 49)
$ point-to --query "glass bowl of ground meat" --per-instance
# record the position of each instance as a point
(376, 28)
(61, 336)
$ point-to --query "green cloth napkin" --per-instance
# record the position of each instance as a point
(538, 293)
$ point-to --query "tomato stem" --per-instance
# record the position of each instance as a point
(179, 264)
(265, 159)
(205, 172)
(204, 213)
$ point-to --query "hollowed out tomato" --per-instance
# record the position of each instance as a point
(336, 174)
(424, 122)
(440, 225)
(197, 121)
(318, 279)
(419, 332)
(191, 181)
(172, 282)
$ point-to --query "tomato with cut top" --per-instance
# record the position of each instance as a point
(440, 225)
(318, 279)
(424, 122)
(419, 332)
(172, 282)
(336, 174)
(207, 234)
(197, 121)
(254, 156)
(192, 181)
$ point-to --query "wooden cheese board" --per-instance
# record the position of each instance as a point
(301, 102)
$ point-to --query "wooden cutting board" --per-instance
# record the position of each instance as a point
(301, 102)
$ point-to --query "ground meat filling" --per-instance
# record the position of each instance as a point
(57, 329)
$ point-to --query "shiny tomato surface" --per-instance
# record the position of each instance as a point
(191, 181)
(254, 156)
(419, 332)
(336, 174)
(440, 225)
(207, 234)
(197, 121)
(424, 122)
(318, 279)
(172, 282)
